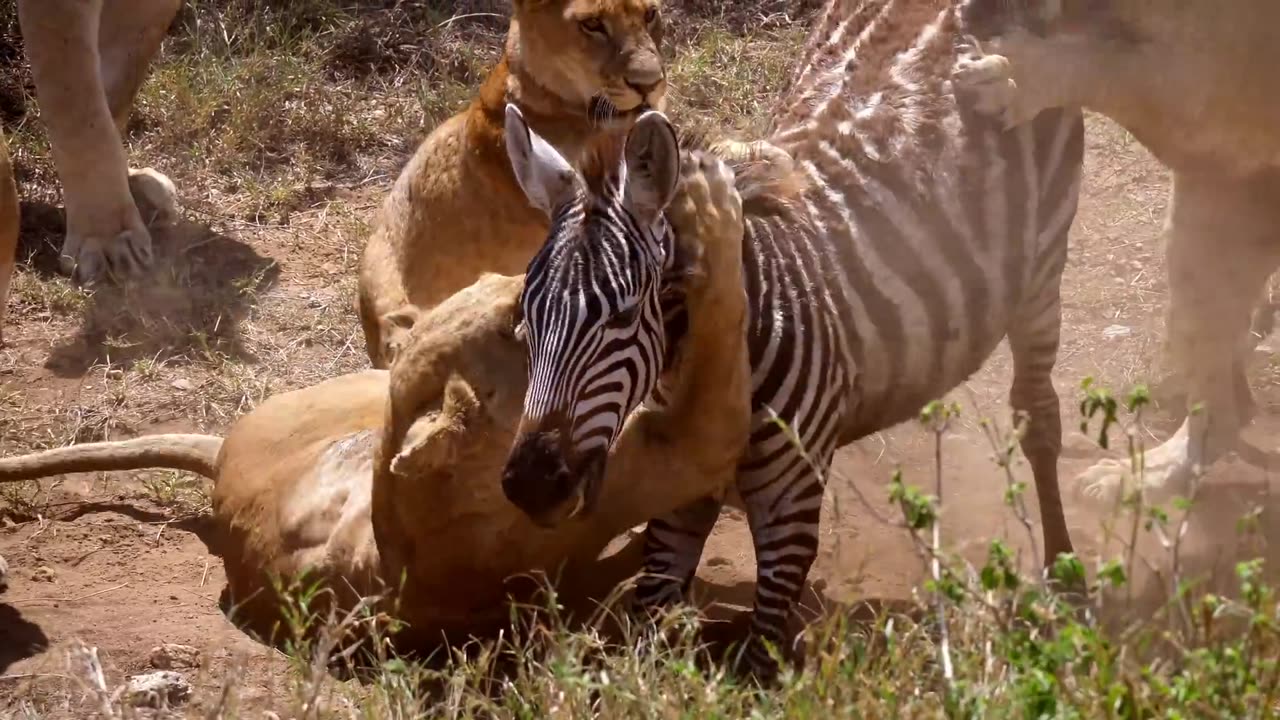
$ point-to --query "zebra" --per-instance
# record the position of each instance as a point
(924, 234)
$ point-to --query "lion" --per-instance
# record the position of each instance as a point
(1191, 81)
(88, 66)
(374, 476)
(579, 70)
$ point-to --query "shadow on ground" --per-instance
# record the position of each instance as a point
(190, 304)
(19, 637)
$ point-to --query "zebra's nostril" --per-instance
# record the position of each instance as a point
(536, 479)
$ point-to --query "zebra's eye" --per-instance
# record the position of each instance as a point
(624, 317)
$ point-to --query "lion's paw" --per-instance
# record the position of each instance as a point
(89, 259)
(987, 84)
(155, 195)
(1165, 469)
(708, 210)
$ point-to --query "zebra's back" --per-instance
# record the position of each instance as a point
(925, 231)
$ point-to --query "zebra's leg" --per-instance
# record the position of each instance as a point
(1222, 245)
(1033, 342)
(783, 496)
(672, 548)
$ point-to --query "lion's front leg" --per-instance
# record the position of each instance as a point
(709, 400)
(106, 233)
(1015, 76)
(705, 424)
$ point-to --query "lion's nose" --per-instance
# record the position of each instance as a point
(645, 75)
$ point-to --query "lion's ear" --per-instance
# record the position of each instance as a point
(397, 330)
(434, 440)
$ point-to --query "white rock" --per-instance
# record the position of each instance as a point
(161, 688)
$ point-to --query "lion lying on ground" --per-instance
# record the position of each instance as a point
(578, 70)
(373, 475)
(88, 65)
(1193, 82)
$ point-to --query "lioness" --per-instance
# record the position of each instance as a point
(88, 65)
(577, 69)
(1193, 82)
(374, 474)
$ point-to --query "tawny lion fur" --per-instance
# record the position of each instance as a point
(456, 210)
(372, 476)
(88, 66)
(1194, 82)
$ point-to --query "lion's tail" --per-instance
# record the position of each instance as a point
(193, 453)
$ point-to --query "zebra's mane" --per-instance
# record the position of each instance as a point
(765, 186)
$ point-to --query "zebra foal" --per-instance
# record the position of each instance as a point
(921, 236)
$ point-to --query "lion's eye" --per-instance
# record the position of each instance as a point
(593, 25)
(650, 15)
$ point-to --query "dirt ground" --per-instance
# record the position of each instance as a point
(117, 559)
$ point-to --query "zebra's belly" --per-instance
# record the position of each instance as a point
(892, 387)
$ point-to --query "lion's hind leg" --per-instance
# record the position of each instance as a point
(127, 43)
(65, 41)
(1223, 244)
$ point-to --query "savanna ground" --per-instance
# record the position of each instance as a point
(283, 124)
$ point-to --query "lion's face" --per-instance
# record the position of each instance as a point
(603, 54)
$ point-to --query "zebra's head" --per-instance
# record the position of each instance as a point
(590, 311)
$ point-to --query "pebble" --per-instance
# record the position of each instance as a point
(172, 655)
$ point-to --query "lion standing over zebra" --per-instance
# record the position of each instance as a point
(1194, 83)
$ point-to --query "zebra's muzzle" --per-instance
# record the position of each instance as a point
(540, 480)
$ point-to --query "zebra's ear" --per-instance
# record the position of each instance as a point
(653, 165)
(545, 176)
